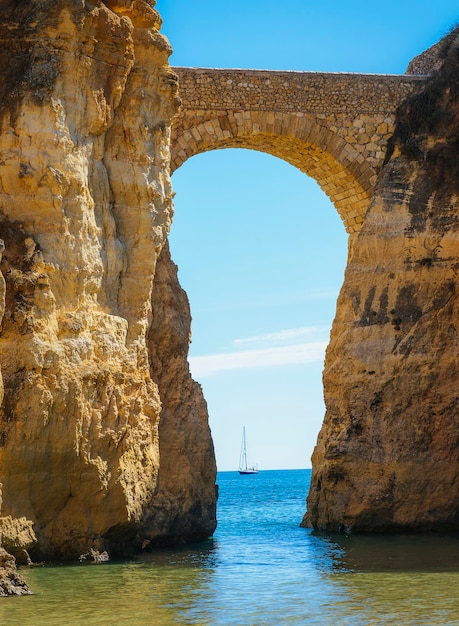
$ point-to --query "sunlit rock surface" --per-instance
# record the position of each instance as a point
(387, 457)
(85, 207)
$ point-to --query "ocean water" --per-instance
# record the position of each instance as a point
(260, 569)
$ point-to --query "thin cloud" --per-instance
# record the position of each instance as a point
(270, 300)
(210, 365)
(282, 335)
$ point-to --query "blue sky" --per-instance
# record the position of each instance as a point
(261, 250)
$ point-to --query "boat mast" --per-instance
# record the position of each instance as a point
(243, 455)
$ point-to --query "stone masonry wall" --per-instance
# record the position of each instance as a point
(334, 127)
(319, 92)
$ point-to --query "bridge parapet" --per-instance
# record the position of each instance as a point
(332, 126)
(324, 93)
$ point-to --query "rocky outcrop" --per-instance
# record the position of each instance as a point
(185, 505)
(85, 208)
(2, 311)
(17, 537)
(387, 457)
(11, 583)
(431, 59)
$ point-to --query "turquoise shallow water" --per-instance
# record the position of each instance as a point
(259, 569)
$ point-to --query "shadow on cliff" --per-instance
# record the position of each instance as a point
(427, 125)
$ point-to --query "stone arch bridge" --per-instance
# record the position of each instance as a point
(333, 127)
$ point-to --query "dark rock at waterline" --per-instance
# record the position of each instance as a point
(11, 583)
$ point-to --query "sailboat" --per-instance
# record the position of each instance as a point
(243, 468)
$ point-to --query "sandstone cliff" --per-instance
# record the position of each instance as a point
(85, 208)
(387, 457)
(186, 500)
(10, 582)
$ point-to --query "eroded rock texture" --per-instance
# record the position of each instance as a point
(186, 500)
(11, 583)
(85, 207)
(387, 457)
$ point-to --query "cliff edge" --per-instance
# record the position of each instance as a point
(387, 456)
(85, 209)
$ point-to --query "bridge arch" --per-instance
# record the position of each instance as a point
(269, 252)
(341, 172)
(333, 127)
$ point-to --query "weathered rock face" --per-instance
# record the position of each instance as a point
(185, 505)
(431, 59)
(2, 311)
(85, 207)
(11, 583)
(387, 457)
